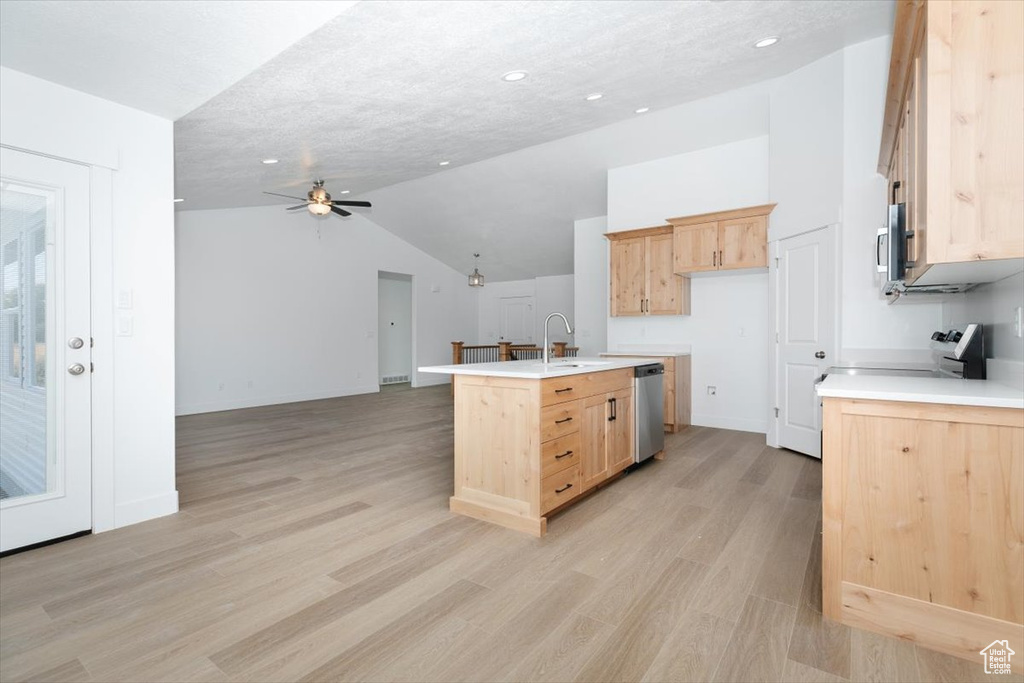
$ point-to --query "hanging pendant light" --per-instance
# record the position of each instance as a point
(475, 278)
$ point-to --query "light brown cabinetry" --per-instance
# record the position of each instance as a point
(606, 436)
(922, 521)
(676, 389)
(641, 275)
(724, 240)
(953, 138)
(525, 447)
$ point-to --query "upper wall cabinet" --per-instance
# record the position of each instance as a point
(724, 240)
(642, 280)
(953, 137)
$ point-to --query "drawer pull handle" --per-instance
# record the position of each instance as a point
(568, 419)
(562, 391)
(564, 488)
(559, 457)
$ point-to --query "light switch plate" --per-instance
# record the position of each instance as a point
(124, 298)
(124, 325)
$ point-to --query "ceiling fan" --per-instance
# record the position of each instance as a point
(319, 202)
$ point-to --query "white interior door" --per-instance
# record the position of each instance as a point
(807, 341)
(517, 319)
(45, 369)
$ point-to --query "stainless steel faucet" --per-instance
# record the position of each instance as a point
(547, 346)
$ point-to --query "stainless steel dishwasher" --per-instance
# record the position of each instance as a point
(648, 399)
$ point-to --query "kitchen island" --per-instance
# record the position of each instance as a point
(530, 437)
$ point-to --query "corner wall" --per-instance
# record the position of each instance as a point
(276, 307)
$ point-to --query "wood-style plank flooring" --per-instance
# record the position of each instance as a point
(314, 543)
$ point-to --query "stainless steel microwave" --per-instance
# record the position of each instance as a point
(891, 262)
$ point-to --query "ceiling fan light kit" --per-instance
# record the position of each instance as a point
(319, 203)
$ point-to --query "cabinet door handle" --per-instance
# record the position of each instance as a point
(714, 258)
(561, 391)
(721, 261)
(559, 457)
(564, 488)
(612, 409)
(568, 419)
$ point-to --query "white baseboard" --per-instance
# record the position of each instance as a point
(737, 423)
(257, 401)
(136, 511)
(429, 379)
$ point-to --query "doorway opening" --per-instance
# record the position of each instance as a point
(394, 329)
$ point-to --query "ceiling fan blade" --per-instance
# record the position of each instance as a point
(278, 194)
(344, 203)
(340, 212)
(300, 206)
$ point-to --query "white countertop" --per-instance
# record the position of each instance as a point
(961, 392)
(535, 369)
(649, 350)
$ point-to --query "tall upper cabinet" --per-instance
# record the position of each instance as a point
(953, 137)
(642, 279)
(723, 240)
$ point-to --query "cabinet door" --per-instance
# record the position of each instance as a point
(975, 83)
(664, 287)
(627, 276)
(695, 248)
(594, 440)
(743, 243)
(621, 432)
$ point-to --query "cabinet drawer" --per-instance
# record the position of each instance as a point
(556, 390)
(558, 454)
(559, 420)
(559, 488)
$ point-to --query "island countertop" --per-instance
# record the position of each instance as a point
(535, 369)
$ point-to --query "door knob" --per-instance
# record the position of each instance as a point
(76, 342)
(819, 354)
(76, 369)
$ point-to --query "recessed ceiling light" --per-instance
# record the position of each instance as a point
(443, 163)
(767, 42)
(594, 96)
(179, 199)
(513, 76)
(345, 191)
(643, 110)
(270, 161)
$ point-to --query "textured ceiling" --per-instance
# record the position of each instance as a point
(165, 57)
(386, 90)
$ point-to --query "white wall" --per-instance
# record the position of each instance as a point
(550, 294)
(130, 156)
(871, 328)
(394, 325)
(807, 147)
(264, 299)
(728, 325)
(590, 285)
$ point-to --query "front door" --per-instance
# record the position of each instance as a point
(807, 334)
(45, 384)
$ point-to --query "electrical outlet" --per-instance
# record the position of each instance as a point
(249, 383)
(712, 390)
(1018, 322)
(220, 386)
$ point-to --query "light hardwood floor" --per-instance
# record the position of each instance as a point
(314, 543)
